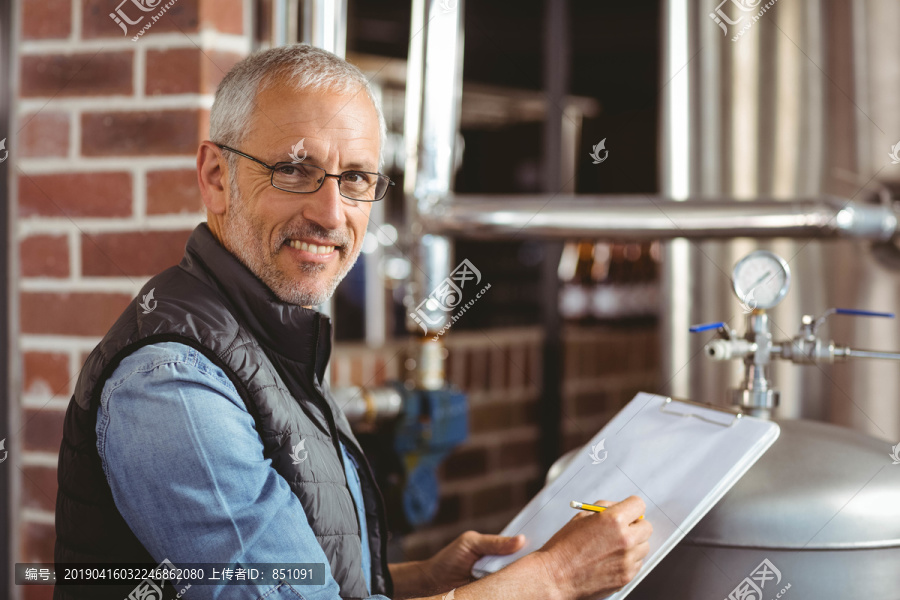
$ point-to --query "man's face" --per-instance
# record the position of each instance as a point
(302, 245)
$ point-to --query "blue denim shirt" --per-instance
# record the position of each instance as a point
(186, 468)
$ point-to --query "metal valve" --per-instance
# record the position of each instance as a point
(806, 348)
(753, 278)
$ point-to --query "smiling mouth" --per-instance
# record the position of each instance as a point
(311, 248)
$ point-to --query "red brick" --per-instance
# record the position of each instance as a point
(186, 70)
(186, 16)
(495, 499)
(89, 314)
(45, 134)
(75, 195)
(465, 463)
(43, 429)
(612, 357)
(506, 380)
(145, 133)
(96, 22)
(175, 71)
(132, 253)
(46, 373)
(174, 191)
(519, 454)
(39, 488)
(44, 19)
(476, 369)
(593, 403)
(44, 256)
(497, 417)
(491, 417)
(86, 74)
(37, 544)
(225, 16)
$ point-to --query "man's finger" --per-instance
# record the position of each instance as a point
(640, 552)
(497, 544)
(641, 529)
(630, 508)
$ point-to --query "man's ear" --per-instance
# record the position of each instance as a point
(212, 177)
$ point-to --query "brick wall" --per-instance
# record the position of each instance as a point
(604, 367)
(107, 132)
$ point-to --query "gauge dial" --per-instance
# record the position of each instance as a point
(761, 279)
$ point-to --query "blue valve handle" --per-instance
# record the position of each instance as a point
(862, 313)
(706, 327)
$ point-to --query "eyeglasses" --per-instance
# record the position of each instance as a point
(301, 178)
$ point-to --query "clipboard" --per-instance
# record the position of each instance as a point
(680, 457)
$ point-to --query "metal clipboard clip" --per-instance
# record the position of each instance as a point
(735, 416)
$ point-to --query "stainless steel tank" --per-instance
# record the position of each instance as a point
(822, 505)
(799, 102)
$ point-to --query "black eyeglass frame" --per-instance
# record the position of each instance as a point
(339, 176)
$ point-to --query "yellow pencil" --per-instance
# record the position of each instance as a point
(591, 507)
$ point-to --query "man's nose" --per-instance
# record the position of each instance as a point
(326, 205)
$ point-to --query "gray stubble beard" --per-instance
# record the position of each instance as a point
(239, 231)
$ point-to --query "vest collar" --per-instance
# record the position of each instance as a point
(299, 334)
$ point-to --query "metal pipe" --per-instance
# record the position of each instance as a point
(431, 122)
(854, 353)
(635, 217)
(281, 24)
(325, 25)
(681, 135)
(364, 406)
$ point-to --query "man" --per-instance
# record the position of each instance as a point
(202, 430)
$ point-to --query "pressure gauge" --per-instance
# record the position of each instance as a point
(761, 279)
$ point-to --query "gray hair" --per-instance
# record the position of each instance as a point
(301, 66)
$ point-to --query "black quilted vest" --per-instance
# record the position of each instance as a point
(275, 355)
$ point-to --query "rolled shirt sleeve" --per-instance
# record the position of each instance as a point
(186, 468)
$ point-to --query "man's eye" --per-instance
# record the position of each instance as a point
(289, 170)
(355, 177)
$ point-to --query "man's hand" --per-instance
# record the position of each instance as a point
(595, 554)
(451, 567)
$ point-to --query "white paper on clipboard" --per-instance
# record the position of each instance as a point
(679, 457)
